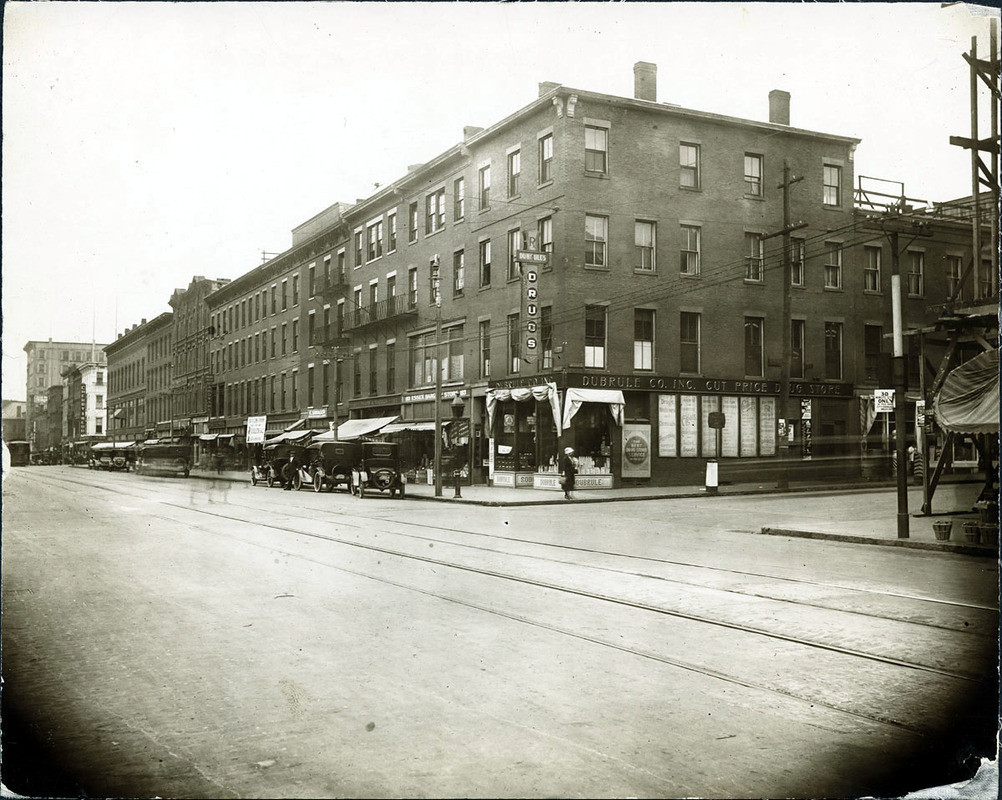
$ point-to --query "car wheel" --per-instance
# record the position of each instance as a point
(253, 478)
(318, 483)
(271, 481)
(297, 482)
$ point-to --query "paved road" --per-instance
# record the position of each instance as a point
(199, 639)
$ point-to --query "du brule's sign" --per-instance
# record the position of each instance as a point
(664, 383)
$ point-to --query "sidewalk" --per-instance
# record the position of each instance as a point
(871, 518)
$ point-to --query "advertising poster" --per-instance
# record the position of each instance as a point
(255, 429)
(689, 425)
(636, 450)
(667, 420)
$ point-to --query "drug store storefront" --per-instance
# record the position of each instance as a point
(652, 429)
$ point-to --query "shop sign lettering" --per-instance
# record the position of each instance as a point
(709, 385)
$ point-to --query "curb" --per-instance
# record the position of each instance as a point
(911, 544)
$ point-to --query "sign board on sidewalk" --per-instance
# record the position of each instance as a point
(255, 429)
(883, 400)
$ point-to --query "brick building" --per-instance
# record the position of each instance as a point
(139, 378)
(644, 322)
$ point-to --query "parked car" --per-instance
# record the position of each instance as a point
(378, 468)
(111, 456)
(330, 464)
(276, 456)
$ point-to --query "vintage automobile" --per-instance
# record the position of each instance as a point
(378, 467)
(111, 456)
(20, 453)
(164, 458)
(274, 457)
(330, 464)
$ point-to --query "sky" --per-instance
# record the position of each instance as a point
(145, 143)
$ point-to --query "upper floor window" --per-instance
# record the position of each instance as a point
(412, 222)
(295, 290)
(689, 254)
(644, 241)
(458, 272)
(514, 172)
(514, 243)
(596, 240)
(596, 149)
(459, 198)
(954, 272)
(643, 338)
(688, 164)
(544, 233)
(485, 349)
(871, 269)
(374, 237)
(359, 252)
(546, 158)
(391, 229)
(412, 287)
(754, 362)
(832, 181)
(755, 258)
(797, 327)
(485, 263)
(434, 218)
(546, 336)
(285, 295)
(514, 343)
(753, 175)
(595, 317)
(833, 350)
(916, 273)
(484, 177)
(688, 342)
(833, 265)
(797, 259)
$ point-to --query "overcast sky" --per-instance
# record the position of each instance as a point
(144, 143)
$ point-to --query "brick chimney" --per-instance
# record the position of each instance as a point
(645, 81)
(779, 107)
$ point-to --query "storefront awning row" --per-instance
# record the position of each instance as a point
(968, 402)
(290, 436)
(356, 428)
(541, 393)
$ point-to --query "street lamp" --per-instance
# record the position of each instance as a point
(458, 407)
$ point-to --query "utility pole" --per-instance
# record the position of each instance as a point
(436, 291)
(899, 388)
(786, 323)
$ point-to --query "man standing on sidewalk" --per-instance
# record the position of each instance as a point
(569, 468)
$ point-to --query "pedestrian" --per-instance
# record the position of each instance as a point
(569, 468)
(217, 462)
(288, 473)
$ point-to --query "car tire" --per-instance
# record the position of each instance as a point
(253, 479)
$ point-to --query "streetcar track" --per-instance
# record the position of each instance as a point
(602, 597)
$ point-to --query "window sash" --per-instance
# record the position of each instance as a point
(832, 181)
(485, 263)
(643, 339)
(797, 328)
(753, 175)
(689, 254)
(485, 187)
(688, 162)
(753, 346)
(514, 171)
(595, 330)
(833, 350)
(833, 266)
(688, 341)
(546, 159)
(644, 238)
(596, 149)
(755, 258)
(545, 235)
(459, 198)
(871, 270)
(798, 256)
(596, 236)
(458, 272)
(916, 274)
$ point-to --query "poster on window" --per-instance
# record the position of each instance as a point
(767, 425)
(729, 433)
(688, 425)
(709, 405)
(636, 450)
(749, 426)
(667, 420)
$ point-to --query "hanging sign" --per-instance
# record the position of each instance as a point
(883, 400)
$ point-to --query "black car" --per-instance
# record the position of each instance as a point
(330, 463)
(378, 468)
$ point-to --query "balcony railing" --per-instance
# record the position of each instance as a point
(391, 308)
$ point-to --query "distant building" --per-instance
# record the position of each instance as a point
(14, 420)
(84, 401)
(47, 360)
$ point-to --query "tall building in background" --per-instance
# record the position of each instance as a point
(47, 361)
(85, 393)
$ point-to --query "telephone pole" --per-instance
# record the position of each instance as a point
(436, 288)
(786, 323)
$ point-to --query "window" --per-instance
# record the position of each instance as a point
(295, 336)
(359, 253)
(310, 385)
(833, 265)
(916, 274)
(797, 327)
(459, 199)
(285, 331)
(485, 263)
(458, 272)
(833, 350)
(412, 222)
(374, 238)
(373, 293)
(434, 217)
(391, 227)
(514, 343)
(273, 353)
(340, 317)
(596, 149)
(689, 254)
(871, 269)
(546, 158)
(596, 238)
(311, 330)
(484, 177)
(873, 336)
(485, 348)
(312, 283)
(356, 374)
(644, 239)
(954, 273)
(688, 342)
(643, 338)
(754, 328)
(832, 181)
(373, 366)
(514, 243)
(285, 295)
(412, 287)
(295, 290)
(688, 164)
(753, 175)
(797, 259)
(546, 335)
(544, 235)
(342, 265)
(391, 286)
(595, 336)
(325, 384)
(755, 259)
(424, 354)
(391, 367)
(514, 172)
(985, 279)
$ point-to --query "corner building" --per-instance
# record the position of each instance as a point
(643, 323)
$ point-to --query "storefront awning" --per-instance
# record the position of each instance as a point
(397, 427)
(969, 399)
(545, 391)
(208, 437)
(290, 436)
(355, 428)
(611, 397)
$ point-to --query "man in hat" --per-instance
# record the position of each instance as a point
(569, 468)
